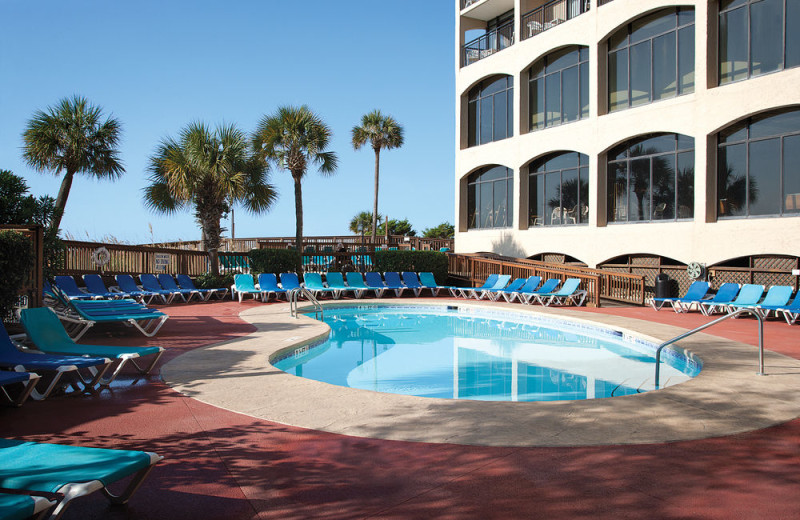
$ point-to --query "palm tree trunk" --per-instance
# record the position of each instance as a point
(298, 211)
(375, 204)
(211, 237)
(61, 200)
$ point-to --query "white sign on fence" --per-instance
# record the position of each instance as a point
(162, 261)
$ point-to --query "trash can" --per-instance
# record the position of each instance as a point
(662, 286)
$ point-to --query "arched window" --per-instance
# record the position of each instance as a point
(558, 190)
(758, 166)
(491, 110)
(558, 88)
(489, 197)
(756, 37)
(651, 58)
(651, 179)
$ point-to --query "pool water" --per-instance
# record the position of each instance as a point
(469, 353)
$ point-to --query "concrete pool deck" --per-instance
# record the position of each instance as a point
(726, 398)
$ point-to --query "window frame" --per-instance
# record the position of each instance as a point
(474, 180)
(580, 166)
(543, 76)
(476, 95)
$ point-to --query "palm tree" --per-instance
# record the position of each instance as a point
(361, 222)
(294, 137)
(209, 171)
(383, 132)
(72, 137)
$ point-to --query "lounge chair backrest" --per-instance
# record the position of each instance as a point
(393, 279)
(491, 280)
(778, 296)
(44, 327)
(313, 281)
(355, 279)
(127, 283)
(411, 279)
(268, 282)
(290, 281)
(334, 279)
(428, 280)
(531, 284)
(186, 282)
(94, 282)
(726, 293)
(68, 285)
(244, 282)
(549, 286)
(749, 294)
(168, 282)
(570, 286)
(502, 281)
(515, 285)
(697, 290)
(374, 279)
(150, 282)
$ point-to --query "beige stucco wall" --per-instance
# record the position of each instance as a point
(699, 115)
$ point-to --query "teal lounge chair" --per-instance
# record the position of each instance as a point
(24, 506)
(725, 294)
(94, 283)
(356, 280)
(185, 281)
(70, 288)
(494, 294)
(268, 284)
(569, 293)
(790, 312)
(694, 295)
(777, 296)
(394, 283)
(490, 282)
(71, 471)
(530, 285)
(748, 294)
(168, 283)
(243, 285)
(548, 286)
(48, 335)
(313, 283)
(27, 380)
(428, 281)
(500, 282)
(336, 281)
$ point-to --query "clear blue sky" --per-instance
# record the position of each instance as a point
(158, 65)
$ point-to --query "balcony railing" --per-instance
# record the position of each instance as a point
(467, 3)
(552, 14)
(493, 41)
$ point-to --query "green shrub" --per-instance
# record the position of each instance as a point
(274, 260)
(16, 261)
(417, 261)
(209, 281)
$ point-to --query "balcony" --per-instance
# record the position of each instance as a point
(552, 14)
(484, 46)
(485, 10)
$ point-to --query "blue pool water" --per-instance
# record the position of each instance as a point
(469, 353)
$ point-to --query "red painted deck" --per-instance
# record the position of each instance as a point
(222, 465)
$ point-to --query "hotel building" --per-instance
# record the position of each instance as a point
(615, 133)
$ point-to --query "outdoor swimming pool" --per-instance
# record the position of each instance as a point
(479, 354)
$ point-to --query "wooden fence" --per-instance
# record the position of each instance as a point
(318, 243)
(623, 287)
(82, 258)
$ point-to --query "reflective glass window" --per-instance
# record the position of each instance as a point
(559, 88)
(558, 193)
(489, 198)
(490, 111)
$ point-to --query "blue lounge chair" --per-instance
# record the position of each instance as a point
(243, 285)
(725, 294)
(411, 280)
(70, 288)
(290, 281)
(150, 283)
(694, 295)
(28, 380)
(777, 296)
(186, 283)
(569, 293)
(48, 335)
(748, 294)
(356, 281)
(71, 471)
(428, 281)
(168, 283)
(790, 312)
(313, 283)
(530, 285)
(128, 285)
(394, 283)
(490, 282)
(500, 282)
(268, 284)
(24, 506)
(375, 282)
(335, 280)
(94, 283)
(66, 368)
(548, 286)
(494, 294)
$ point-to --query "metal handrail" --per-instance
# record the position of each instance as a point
(294, 297)
(709, 324)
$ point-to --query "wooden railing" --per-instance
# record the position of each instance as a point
(623, 287)
(317, 243)
(123, 259)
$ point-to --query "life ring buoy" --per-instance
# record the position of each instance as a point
(101, 256)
